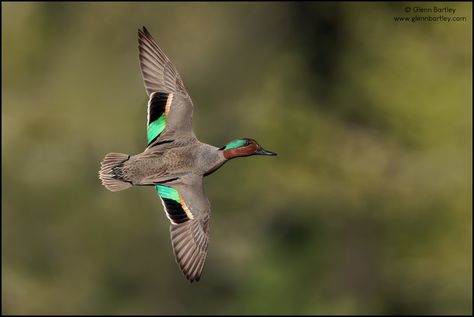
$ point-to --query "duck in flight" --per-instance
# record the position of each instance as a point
(174, 161)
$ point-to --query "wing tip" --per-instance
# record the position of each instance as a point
(144, 32)
(194, 273)
(187, 253)
(192, 278)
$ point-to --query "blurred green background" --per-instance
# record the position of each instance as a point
(367, 208)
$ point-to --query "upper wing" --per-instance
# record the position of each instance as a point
(170, 109)
(188, 209)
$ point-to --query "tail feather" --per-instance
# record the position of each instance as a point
(111, 172)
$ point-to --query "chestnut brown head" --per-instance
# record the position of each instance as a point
(244, 147)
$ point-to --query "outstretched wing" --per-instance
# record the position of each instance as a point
(188, 210)
(170, 109)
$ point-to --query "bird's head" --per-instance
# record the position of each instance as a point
(244, 147)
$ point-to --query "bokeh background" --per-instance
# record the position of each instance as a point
(367, 208)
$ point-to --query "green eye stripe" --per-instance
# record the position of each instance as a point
(168, 192)
(156, 127)
(235, 144)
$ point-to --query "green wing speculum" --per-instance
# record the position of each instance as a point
(175, 208)
(158, 110)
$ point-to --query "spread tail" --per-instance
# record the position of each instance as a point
(111, 172)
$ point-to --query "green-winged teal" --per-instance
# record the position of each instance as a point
(174, 160)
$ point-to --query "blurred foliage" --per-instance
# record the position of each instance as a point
(366, 210)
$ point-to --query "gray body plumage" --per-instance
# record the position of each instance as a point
(169, 162)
